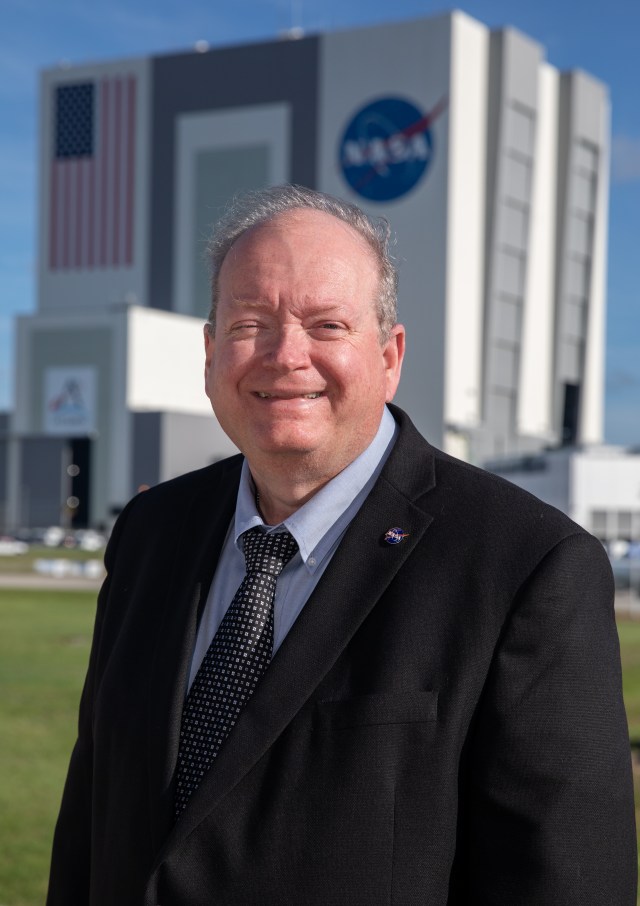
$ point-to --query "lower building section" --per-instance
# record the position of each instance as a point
(107, 404)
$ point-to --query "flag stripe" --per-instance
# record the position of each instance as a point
(104, 169)
(53, 216)
(77, 258)
(92, 183)
(86, 192)
(117, 138)
(91, 215)
(66, 224)
(131, 126)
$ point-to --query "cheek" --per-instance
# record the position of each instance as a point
(371, 373)
(341, 365)
(229, 361)
(230, 369)
(214, 374)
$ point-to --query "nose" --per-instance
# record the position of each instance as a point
(287, 348)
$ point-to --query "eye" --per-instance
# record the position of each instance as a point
(328, 329)
(244, 328)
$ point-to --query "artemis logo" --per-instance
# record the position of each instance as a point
(387, 148)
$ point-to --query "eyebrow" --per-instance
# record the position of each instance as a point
(318, 309)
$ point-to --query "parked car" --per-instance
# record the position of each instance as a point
(10, 547)
(626, 569)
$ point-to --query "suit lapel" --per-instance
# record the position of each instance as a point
(198, 544)
(358, 575)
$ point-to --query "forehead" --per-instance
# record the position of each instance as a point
(300, 241)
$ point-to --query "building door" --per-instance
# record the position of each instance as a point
(78, 501)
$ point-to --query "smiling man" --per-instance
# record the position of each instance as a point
(299, 367)
(341, 667)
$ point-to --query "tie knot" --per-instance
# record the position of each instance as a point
(268, 553)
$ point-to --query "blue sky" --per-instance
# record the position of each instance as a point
(602, 38)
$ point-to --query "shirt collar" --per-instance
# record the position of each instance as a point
(318, 524)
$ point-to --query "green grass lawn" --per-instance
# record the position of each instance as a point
(44, 648)
(629, 633)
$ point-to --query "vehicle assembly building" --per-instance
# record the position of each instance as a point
(490, 164)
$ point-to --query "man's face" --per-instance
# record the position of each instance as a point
(296, 373)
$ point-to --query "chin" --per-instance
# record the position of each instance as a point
(285, 441)
(288, 447)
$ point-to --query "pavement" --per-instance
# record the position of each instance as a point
(627, 603)
(36, 582)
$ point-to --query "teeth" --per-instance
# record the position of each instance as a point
(305, 396)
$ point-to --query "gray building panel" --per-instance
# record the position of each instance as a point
(147, 446)
(513, 99)
(81, 346)
(43, 480)
(285, 71)
(220, 173)
(580, 110)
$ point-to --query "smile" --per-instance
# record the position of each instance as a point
(287, 396)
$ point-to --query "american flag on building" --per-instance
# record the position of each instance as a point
(92, 174)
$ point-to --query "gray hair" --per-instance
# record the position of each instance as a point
(253, 208)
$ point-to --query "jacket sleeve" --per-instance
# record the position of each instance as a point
(71, 855)
(549, 814)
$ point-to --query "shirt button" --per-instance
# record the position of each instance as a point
(311, 561)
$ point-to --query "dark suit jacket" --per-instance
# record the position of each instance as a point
(442, 725)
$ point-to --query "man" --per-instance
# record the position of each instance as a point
(441, 719)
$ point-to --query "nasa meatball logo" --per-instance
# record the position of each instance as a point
(387, 148)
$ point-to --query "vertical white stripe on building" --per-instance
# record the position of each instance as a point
(468, 101)
(592, 410)
(535, 403)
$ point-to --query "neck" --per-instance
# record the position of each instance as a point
(286, 482)
(275, 503)
(283, 487)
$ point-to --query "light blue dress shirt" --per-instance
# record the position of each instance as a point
(318, 527)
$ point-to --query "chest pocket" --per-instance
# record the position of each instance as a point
(377, 709)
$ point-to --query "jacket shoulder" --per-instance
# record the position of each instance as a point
(170, 501)
(500, 498)
(470, 498)
(200, 480)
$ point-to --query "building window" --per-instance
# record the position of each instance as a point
(599, 524)
(570, 414)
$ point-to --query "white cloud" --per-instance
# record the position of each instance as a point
(625, 158)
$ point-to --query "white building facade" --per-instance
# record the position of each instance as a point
(598, 486)
(491, 166)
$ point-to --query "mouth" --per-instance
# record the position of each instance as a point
(288, 396)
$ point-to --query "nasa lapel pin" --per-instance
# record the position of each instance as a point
(395, 536)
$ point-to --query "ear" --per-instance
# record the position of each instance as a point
(209, 344)
(393, 355)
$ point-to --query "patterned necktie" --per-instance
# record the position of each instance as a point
(235, 660)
